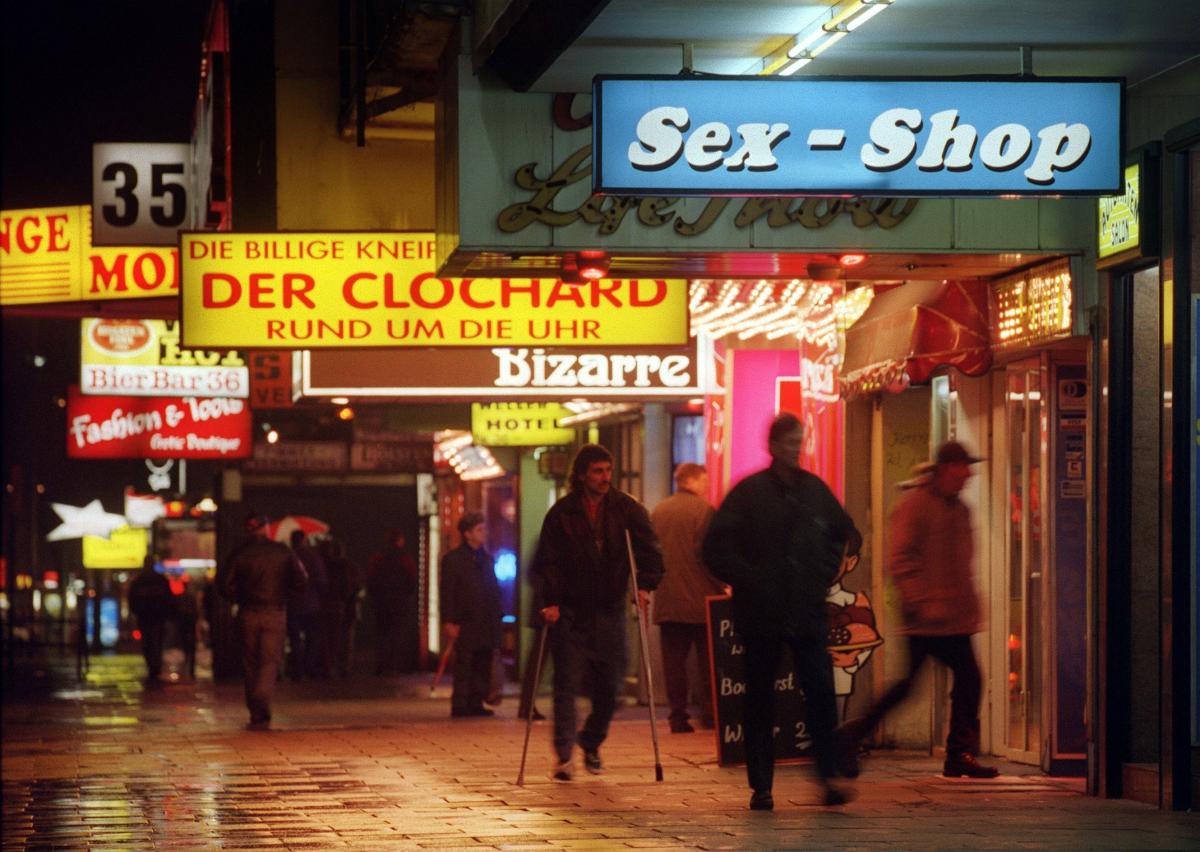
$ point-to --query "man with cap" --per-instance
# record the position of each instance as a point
(930, 566)
(471, 614)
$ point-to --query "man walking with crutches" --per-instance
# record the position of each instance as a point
(583, 570)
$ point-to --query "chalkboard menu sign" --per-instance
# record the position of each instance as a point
(725, 650)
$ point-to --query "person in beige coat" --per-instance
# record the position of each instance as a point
(930, 566)
(679, 609)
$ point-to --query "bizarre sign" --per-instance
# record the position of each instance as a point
(786, 136)
(130, 427)
(46, 255)
(332, 290)
(507, 373)
(143, 358)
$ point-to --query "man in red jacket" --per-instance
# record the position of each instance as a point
(930, 566)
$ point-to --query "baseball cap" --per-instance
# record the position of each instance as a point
(952, 452)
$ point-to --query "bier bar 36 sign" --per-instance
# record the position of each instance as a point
(354, 290)
(889, 137)
(130, 427)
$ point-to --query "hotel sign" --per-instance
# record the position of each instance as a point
(506, 373)
(339, 290)
(143, 358)
(46, 255)
(881, 137)
(520, 424)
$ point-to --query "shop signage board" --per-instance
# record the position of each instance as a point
(125, 548)
(297, 457)
(792, 740)
(270, 379)
(508, 373)
(1119, 225)
(1032, 307)
(143, 357)
(141, 192)
(132, 427)
(47, 256)
(520, 424)
(392, 456)
(877, 136)
(353, 290)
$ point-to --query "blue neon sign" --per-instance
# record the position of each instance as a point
(878, 137)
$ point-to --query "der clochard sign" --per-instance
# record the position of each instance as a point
(851, 136)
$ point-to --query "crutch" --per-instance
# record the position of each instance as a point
(537, 678)
(441, 669)
(645, 638)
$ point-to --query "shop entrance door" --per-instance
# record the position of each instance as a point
(1025, 551)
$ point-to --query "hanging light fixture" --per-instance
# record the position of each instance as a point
(833, 25)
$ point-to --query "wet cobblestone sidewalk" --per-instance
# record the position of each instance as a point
(377, 764)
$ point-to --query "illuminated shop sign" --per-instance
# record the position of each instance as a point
(338, 290)
(143, 358)
(1032, 307)
(126, 548)
(46, 255)
(131, 427)
(897, 137)
(1119, 228)
(141, 192)
(507, 373)
(519, 424)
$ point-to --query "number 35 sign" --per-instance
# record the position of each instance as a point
(140, 193)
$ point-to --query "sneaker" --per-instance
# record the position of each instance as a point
(966, 764)
(563, 771)
(762, 800)
(591, 759)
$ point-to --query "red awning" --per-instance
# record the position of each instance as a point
(911, 330)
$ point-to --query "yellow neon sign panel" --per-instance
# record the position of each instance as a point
(1120, 224)
(46, 255)
(519, 424)
(355, 290)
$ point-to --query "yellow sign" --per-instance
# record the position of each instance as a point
(46, 255)
(1033, 306)
(126, 549)
(355, 290)
(142, 357)
(1119, 221)
(519, 424)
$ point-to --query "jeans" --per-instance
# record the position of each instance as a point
(591, 643)
(262, 630)
(677, 639)
(958, 655)
(815, 676)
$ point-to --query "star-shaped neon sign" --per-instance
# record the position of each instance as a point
(88, 520)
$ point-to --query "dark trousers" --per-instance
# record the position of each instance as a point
(591, 644)
(814, 674)
(152, 645)
(678, 639)
(262, 630)
(472, 678)
(958, 655)
(306, 646)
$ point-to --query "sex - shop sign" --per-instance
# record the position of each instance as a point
(879, 136)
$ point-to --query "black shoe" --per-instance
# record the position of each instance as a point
(481, 711)
(762, 800)
(682, 727)
(591, 760)
(845, 747)
(834, 796)
(258, 725)
(966, 764)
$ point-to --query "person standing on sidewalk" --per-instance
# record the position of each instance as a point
(582, 566)
(932, 547)
(150, 600)
(778, 539)
(679, 609)
(259, 576)
(471, 613)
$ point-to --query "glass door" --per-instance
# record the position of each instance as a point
(1024, 564)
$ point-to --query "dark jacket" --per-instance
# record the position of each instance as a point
(777, 539)
(471, 597)
(572, 572)
(260, 572)
(310, 599)
(150, 597)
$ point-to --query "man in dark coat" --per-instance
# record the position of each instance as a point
(582, 570)
(306, 638)
(259, 576)
(778, 539)
(679, 607)
(471, 616)
(392, 586)
(150, 600)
